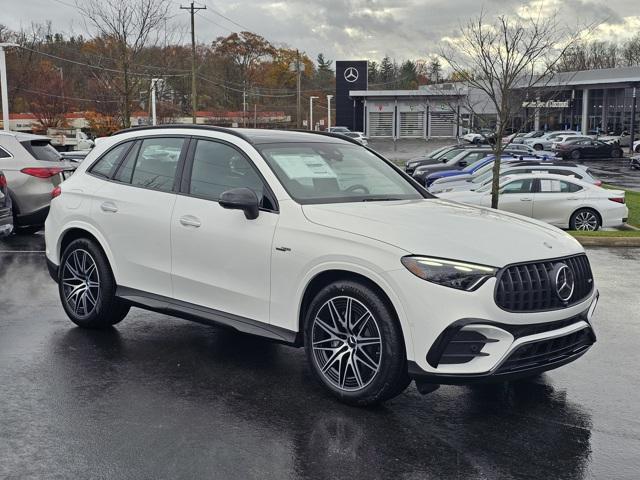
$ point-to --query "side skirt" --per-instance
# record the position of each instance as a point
(207, 316)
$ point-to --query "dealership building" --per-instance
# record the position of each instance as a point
(593, 101)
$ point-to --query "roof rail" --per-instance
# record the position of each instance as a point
(330, 134)
(213, 128)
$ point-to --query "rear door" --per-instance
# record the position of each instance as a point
(133, 209)
(555, 200)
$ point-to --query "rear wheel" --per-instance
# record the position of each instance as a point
(616, 153)
(87, 287)
(354, 344)
(538, 146)
(575, 154)
(585, 219)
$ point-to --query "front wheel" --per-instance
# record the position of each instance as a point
(615, 153)
(585, 219)
(575, 154)
(354, 344)
(87, 287)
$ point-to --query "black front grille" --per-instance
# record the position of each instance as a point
(528, 287)
(544, 352)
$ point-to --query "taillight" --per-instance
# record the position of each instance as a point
(42, 172)
(3, 181)
(598, 183)
(617, 199)
(56, 192)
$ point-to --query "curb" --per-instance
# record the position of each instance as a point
(608, 241)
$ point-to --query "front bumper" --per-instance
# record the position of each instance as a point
(529, 349)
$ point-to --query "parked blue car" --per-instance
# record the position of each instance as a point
(471, 169)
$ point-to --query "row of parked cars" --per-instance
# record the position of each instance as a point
(30, 169)
(564, 143)
(545, 187)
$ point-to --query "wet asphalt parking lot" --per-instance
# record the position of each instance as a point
(159, 397)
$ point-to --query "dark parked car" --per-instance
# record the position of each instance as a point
(6, 215)
(578, 149)
(435, 157)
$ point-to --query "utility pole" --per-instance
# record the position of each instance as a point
(194, 98)
(244, 106)
(3, 85)
(154, 83)
(329, 97)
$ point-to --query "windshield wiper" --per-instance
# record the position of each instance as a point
(383, 199)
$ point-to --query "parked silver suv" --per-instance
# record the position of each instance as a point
(33, 168)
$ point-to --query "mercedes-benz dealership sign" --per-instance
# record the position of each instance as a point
(350, 76)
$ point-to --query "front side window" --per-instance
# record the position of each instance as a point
(332, 173)
(218, 167)
(104, 166)
(153, 165)
(517, 186)
(4, 153)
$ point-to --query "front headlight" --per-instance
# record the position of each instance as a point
(449, 273)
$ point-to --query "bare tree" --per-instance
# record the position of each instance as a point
(504, 59)
(126, 27)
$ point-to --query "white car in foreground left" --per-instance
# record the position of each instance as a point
(562, 201)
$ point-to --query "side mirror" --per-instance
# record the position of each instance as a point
(463, 163)
(243, 199)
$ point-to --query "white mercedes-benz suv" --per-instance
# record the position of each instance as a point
(313, 240)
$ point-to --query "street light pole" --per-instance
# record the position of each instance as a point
(632, 131)
(329, 97)
(3, 85)
(311, 112)
(154, 82)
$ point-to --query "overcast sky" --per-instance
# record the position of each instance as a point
(356, 29)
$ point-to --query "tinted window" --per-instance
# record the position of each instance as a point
(558, 186)
(218, 167)
(517, 186)
(4, 153)
(156, 163)
(104, 166)
(41, 150)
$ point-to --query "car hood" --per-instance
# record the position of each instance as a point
(446, 229)
(447, 173)
(462, 177)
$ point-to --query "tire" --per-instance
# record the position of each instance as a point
(537, 146)
(637, 149)
(585, 219)
(575, 154)
(476, 141)
(615, 153)
(334, 344)
(87, 287)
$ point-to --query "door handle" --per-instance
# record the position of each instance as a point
(573, 198)
(189, 221)
(525, 199)
(109, 207)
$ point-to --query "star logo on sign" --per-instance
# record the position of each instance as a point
(351, 74)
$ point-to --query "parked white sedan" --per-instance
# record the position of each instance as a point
(556, 199)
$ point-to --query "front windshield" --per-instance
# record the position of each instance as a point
(440, 151)
(334, 173)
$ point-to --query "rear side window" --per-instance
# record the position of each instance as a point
(4, 153)
(217, 167)
(105, 165)
(155, 165)
(558, 186)
(41, 150)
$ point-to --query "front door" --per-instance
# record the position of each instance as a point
(516, 197)
(221, 260)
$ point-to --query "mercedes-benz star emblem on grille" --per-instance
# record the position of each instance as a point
(564, 282)
(351, 74)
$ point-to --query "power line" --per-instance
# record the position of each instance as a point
(68, 98)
